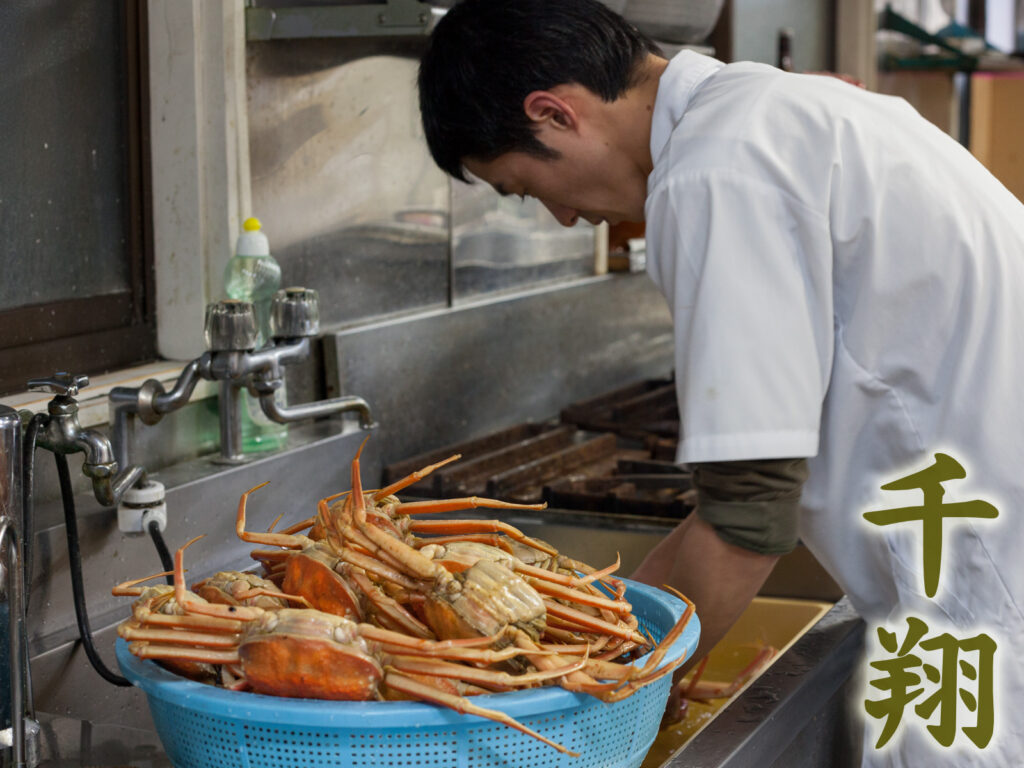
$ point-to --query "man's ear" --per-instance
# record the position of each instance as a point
(544, 107)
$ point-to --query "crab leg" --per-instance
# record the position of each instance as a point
(563, 578)
(132, 631)
(387, 636)
(459, 704)
(576, 681)
(415, 477)
(575, 596)
(128, 588)
(493, 540)
(302, 525)
(709, 689)
(454, 527)
(480, 676)
(673, 634)
(575, 565)
(257, 591)
(390, 608)
(276, 539)
(594, 624)
(216, 623)
(146, 650)
(452, 505)
(226, 614)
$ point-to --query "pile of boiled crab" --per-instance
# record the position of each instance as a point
(367, 601)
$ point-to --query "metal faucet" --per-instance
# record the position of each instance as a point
(62, 433)
(232, 359)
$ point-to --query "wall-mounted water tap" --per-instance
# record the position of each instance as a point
(62, 433)
(232, 360)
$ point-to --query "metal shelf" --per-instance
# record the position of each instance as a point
(390, 18)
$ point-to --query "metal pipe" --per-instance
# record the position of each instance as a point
(283, 414)
(271, 357)
(15, 593)
(165, 402)
(11, 544)
(230, 423)
(150, 403)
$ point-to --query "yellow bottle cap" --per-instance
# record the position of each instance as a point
(252, 224)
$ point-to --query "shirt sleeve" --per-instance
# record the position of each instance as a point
(746, 269)
(752, 504)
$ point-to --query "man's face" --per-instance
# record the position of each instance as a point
(583, 182)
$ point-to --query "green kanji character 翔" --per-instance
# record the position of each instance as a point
(903, 683)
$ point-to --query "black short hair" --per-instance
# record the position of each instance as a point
(485, 56)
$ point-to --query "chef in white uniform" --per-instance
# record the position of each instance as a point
(847, 290)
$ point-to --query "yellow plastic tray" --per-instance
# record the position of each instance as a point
(768, 621)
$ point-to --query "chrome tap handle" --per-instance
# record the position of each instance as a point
(295, 313)
(61, 383)
(230, 326)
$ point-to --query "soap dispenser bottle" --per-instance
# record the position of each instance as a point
(254, 275)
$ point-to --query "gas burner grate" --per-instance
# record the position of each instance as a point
(640, 411)
(614, 453)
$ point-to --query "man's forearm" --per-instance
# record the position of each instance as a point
(720, 578)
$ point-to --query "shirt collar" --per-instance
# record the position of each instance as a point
(679, 82)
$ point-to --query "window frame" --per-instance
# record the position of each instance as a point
(97, 334)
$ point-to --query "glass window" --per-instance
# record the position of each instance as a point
(71, 194)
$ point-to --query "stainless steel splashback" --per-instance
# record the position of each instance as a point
(440, 377)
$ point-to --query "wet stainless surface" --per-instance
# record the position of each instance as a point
(68, 743)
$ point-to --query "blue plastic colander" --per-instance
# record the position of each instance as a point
(202, 726)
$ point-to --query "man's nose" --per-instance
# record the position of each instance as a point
(566, 216)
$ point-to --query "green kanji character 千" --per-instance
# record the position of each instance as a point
(932, 512)
(901, 678)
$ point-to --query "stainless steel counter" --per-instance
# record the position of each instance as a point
(68, 743)
(794, 715)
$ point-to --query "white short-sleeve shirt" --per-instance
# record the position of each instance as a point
(846, 284)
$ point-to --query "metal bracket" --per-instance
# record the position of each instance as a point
(393, 17)
(955, 59)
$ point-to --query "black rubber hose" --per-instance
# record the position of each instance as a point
(27, 518)
(161, 548)
(75, 566)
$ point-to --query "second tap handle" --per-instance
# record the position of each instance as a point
(61, 383)
(295, 313)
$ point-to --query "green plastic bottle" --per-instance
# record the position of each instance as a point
(254, 275)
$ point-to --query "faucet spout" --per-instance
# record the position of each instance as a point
(93, 444)
(284, 414)
(62, 433)
(107, 487)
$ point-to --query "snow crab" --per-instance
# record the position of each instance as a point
(312, 654)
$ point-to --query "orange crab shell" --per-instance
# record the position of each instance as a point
(309, 668)
(310, 573)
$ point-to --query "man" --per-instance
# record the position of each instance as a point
(846, 284)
